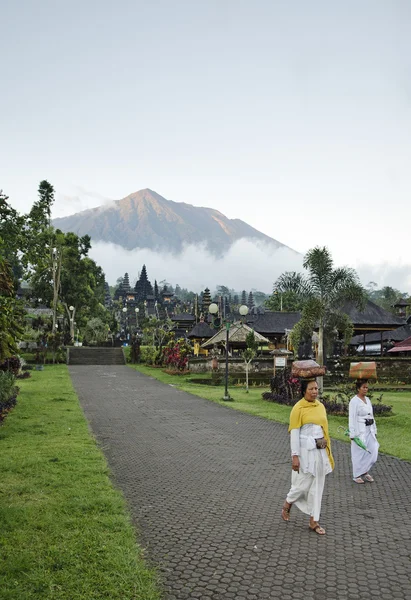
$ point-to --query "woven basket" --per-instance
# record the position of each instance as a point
(306, 369)
(363, 370)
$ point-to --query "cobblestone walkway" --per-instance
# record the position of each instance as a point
(205, 485)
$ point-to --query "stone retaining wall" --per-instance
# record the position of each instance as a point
(393, 370)
(235, 365)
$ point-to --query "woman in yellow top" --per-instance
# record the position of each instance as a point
(311, 456)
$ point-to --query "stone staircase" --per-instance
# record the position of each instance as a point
(95, 356)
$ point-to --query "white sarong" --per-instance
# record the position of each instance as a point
(307, 485)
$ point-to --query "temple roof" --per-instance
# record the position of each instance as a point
(397, 335)
(373, 316)
(201, 330)
(236, 334)
(402, 302)
(273, 322)
(404, 346)
(183, 317)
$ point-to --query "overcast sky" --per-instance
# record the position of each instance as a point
(293, 116)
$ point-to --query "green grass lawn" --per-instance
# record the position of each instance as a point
(394, 433)
(65, 530)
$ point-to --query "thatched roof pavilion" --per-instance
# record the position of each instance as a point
(236, 336)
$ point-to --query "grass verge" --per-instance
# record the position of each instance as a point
(65, 533)
(394, 433)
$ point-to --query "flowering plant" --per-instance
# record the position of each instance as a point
(176, 354)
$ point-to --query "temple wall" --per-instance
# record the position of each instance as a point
(392, 370)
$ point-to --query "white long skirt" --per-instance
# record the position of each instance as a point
(362, 461)
(307, 488)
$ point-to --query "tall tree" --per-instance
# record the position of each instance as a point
(82, 280)
(11, 311)
(385, 297)
(285, 301)
(11, 236)
(324, 290)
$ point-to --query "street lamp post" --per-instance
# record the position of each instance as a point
(72, 310)
(213, 310)
(125, 321)
(137, 310)
(243, 310)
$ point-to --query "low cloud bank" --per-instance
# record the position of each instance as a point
(385, 274)
(245, 266)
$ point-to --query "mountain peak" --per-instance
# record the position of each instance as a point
(144, 219)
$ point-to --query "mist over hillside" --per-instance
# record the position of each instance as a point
(246, 265)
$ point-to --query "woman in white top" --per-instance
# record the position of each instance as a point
(362, 425)
(311, 456)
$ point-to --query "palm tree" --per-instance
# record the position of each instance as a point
(323, 291)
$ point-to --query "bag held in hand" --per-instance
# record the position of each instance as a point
(306, 369)
(363, 370)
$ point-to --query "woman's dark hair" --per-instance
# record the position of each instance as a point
(359, 383)
(304, 384)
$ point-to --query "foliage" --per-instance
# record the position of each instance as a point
(39, 241)
(337, 403)
(135, 350)
(285, 389)
(251, 342)
(157, 331)
(8, 393)
(287, 301)
(149, 355)
(324, 290)
(176, 354)
(24, 375)
(11, 235)
(249, 353)
(11, 312)
(385, 297)
(95, 332)
(11, 364)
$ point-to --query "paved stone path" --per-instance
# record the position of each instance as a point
(205, 485)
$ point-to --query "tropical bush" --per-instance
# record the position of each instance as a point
(149, 355)
(11, 364)
(286, 389)
(175, 354)
(8, 393)
(96, 331)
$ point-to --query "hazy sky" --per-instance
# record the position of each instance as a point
(293, 116)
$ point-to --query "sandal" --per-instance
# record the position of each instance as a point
(368, 477)
(285, 511)
(317, 529)
(359, 480)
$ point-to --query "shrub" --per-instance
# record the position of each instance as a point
(176, 354)
(24, 375)
(149, 355)
(8, 393)
(285, 389)
(11, 364)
